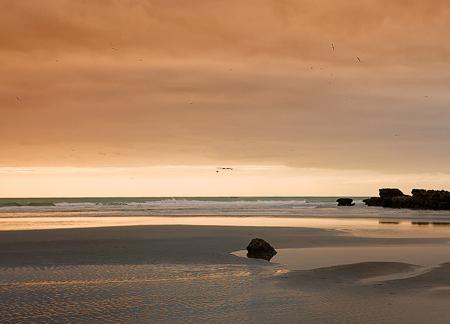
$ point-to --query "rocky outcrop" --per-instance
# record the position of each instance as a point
(373, 201)
(430, 199)
(389, 197)
(345, 202)
(260, 249)
(420, 199)
(387, 193)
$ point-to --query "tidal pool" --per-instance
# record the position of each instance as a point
(429, 255)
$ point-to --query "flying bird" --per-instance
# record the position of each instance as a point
(221, 168)
(332, 46)
(18, 98)
(359, 60)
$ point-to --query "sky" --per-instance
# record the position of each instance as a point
(148, 97)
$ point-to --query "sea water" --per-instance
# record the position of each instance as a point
(320, 212)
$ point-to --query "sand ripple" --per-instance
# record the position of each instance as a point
(122, 293)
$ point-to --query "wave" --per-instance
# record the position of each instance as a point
(233, 206)
(91, 202)
(77, 204)
(171, 203)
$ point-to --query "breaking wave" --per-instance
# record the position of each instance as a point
(171, 206)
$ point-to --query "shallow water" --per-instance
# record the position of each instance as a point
(353, 226)
(313, 212)
(319, 257)
(203, 206)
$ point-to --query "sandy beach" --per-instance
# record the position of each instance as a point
(151, 150)
(184, 274)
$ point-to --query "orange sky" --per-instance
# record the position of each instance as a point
(144, 84)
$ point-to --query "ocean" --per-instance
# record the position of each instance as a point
(174, 206)
(202, 206)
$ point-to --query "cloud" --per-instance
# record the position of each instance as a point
(297, 29)
(130, 83)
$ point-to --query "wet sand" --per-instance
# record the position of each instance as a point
(180, 274)
(360, 226)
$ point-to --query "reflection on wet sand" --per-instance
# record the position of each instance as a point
(353, 226)
(389, 222)
(431, 223)
(420, 223)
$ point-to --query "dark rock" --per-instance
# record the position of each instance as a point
(345, 202)
(260, 249)
(420, 199)
(373, 201)
(400, 202)
(419, 193)
(387, 193)
(431, 199)
(390, 197)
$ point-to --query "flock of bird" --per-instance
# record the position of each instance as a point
(220, 169)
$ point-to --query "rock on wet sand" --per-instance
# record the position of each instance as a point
(260, 249)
